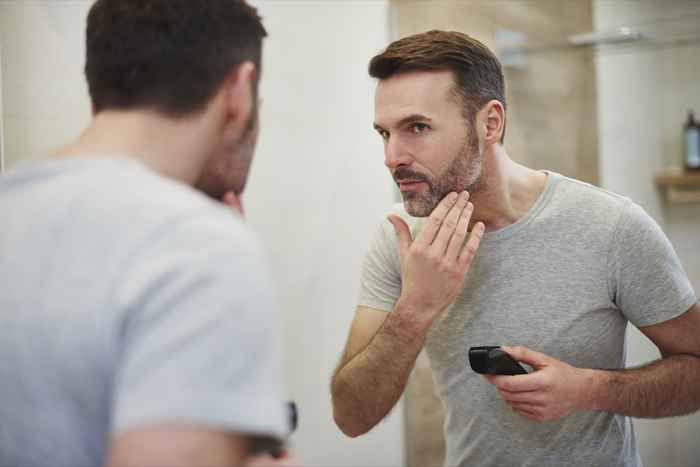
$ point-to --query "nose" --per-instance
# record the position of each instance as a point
(395, 154)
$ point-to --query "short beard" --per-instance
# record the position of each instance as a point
(230, 173)
(463, 173)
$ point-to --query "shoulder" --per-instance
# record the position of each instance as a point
(185, 244)
(140, 203)
(577, 192)
(586, 203)
(144, 221)
(615, 217)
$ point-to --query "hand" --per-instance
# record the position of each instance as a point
(234, 202)
(434, 265)
(266, 460)
(552, 391)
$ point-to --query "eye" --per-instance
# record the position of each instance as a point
(418, 127)
(383, 133)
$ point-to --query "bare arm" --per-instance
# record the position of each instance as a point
(663, 388)
(368, 383)
(176, 446)
(382, 349)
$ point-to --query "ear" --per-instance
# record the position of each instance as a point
(239, 93)
(494, 121)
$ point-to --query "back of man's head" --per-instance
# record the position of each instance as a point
(168, 56)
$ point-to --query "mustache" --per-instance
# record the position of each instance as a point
(404, 173)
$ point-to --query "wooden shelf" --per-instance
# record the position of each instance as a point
(679, 186)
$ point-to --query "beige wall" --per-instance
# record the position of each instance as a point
(44, 92)
(551, 124)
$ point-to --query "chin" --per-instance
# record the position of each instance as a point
(215, 185)
(417, 208)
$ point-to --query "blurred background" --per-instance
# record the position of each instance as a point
(597, 89)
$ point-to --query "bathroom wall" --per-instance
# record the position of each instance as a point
(318, 186)
(551, 124)
(551, 96)
(645, 91)
(317, 189)
(44, 92)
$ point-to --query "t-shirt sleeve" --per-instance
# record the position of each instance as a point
(199, 342)
(380, 280)
(648, 283)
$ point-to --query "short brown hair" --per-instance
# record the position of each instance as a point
(477, 72)
(169, 56)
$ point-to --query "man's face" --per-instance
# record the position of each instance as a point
(429, 149)
(228, 167)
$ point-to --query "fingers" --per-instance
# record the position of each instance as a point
(266, 460)
(469, 250)
(525, 404)
(451, 223)
(403, 233)
(533, 408)
(518, 383)
(535, 359)
(531, 414)
(435, 220)
(527, 398)
(234, 202)
(460, 233)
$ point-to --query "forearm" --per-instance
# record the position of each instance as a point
(368, 386)
(663, 388)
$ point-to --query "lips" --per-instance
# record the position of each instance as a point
(408, 185)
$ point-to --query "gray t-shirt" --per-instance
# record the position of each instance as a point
(125, 299)
(563, 280)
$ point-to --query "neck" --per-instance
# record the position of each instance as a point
(174, 148)
(508, 190)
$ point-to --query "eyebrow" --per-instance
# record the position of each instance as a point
(406, 120)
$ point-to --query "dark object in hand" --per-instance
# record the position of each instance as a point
(491, 360)
(293, 419)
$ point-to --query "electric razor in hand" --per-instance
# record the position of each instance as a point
(276, 448)
(492, 360)
(293, 420)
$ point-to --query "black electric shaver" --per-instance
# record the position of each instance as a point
(491, 360)
(274, 447)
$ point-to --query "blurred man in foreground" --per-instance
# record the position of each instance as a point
(138, 322)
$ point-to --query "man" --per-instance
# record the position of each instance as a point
(138, 324)
(555, 266)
